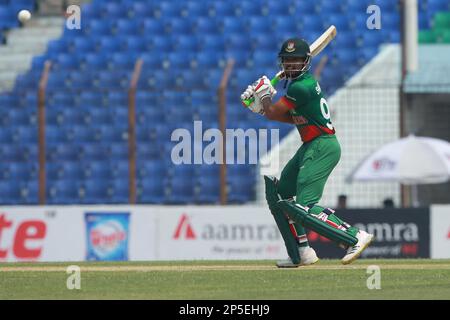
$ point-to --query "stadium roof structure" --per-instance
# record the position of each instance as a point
(433, 73)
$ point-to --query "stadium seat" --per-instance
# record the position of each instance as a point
(194, 9)
(222, 9)
(150, 191)
(10, 192)
(178, 26)
(95, 191)
(63, 192)
(206, 26)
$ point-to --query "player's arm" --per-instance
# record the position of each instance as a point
(278, 111)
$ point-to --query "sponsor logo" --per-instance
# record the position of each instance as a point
(386, 232)
(184, 229)
(107, 236)
(27, 236)
(224, 232)
(383, 164)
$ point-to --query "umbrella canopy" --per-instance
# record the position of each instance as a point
(411, 160)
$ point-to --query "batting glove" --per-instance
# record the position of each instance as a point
(256, 105)
(263, 88)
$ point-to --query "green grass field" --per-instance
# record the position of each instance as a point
(328, 279)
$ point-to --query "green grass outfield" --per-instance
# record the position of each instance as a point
(328, 279)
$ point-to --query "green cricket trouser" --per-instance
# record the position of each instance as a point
(306, 174)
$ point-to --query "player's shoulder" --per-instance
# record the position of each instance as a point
(303, 84)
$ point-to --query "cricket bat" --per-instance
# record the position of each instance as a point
(316, 48)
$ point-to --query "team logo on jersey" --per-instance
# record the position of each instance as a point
(290, 46)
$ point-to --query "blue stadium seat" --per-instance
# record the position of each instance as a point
(168, 10)
(304, 7)
(29, 193)
(11, 152)
(386, 5)
(97, 170)
(151, 60)
(248, 9)
(53, 170)
(222, 9)
(264, 58)
(195, 9)
(66, 152)
(94, 62)
(57, 46)
(118, 151)
(113, 134)
(22, 171)
(357, 7)
(180, 26)
(22, 117)
(92, 10)
(180, 191)
(330, 6)
(90, 98)
(115, 11)
(72, 170)
(150, 191)
(115, 98)
(95, 191)
(55, 134)
(63, 192)
(186, 43)
(390, 21)
(123, 61)
(142, 8)
(154, 27)
(84, 45)
(94, 152)
(82, 134)
(437, 5)
(233, 25)
(206, 26)
(207, 190)
(339, 20)
(79, 81)
(25, 134)
(178, 61)
(310, 23)
(208, 59)
(10, 191)
(109, 44)
(135, 44)
(119, 190)
(100, 27)
(212, 42)
(114, 79)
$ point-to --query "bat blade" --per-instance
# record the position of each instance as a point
(323, 40)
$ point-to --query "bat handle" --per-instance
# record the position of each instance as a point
(274, 81)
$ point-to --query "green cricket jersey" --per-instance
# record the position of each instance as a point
(308, 107)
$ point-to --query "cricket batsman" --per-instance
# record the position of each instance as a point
(305, 175)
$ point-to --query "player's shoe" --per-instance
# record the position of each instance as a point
(364, 240)
(307, 257)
